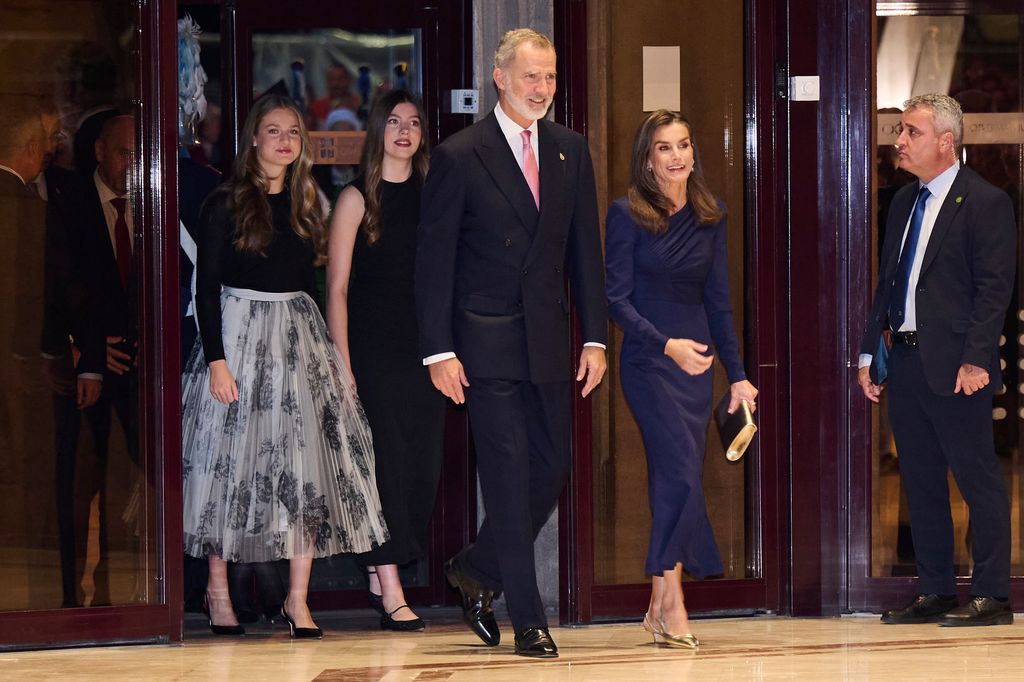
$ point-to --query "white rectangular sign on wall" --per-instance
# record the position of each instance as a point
(661, 78)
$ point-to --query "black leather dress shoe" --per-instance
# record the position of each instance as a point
(535, 643)
(475, 601)
(979, 611)
(925, 608)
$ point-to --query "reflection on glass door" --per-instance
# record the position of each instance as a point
(76, 496)
(977, 60)
(334, 76)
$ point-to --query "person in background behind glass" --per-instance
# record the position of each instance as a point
(339, 95)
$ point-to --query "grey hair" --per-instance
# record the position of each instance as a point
(511, 41)
(947, 114)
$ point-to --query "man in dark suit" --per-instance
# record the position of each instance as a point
(945, 280)
(108, 243)
(97, 219)
(34, 284)
(73, 349)
(508, 204)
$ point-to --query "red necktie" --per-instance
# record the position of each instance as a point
(530, 169)
(122, 242)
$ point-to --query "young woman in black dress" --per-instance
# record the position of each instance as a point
(277, 453)
(372, 318)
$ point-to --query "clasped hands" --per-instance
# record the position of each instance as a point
(969, 378)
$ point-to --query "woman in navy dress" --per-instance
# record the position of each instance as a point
(668, 287)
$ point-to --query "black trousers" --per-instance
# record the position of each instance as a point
(72, 511)
(935, 434)
(406, 417)
(521, 433)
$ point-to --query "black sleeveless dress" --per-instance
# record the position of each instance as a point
(405, 411)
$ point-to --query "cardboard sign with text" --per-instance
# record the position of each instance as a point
(341, 148)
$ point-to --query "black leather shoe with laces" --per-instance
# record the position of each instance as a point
(979, 611)
(925, 608)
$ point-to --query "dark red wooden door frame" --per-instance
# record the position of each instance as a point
(156, 66)
(581, 599)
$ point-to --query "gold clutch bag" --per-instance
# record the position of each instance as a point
(736, 429)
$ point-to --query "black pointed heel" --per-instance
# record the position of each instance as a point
(227, 630)
(389, 623)
(236, 630)
(301, 633)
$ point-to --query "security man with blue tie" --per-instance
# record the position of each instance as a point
(945, 280)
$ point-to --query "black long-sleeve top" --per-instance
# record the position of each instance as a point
(287, 265)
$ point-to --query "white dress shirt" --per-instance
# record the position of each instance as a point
(939, 188)
(513, 135)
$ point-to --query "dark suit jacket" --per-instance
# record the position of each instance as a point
(68, 295)
(965, 283)
(113, 306)
(23, 225)
(490, 268)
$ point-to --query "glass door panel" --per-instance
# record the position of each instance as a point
(77, 493)
(334, 76)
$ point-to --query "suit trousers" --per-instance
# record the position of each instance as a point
(119, 394)
(521, 433)
(935, 434)
(72, 513)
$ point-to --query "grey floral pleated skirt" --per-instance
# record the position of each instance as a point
(289, 466)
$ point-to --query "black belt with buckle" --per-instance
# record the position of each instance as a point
(905, 338)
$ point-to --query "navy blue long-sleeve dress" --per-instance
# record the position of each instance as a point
(672, 285)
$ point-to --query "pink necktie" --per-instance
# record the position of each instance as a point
(530, 169)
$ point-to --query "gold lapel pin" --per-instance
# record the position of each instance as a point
(959, 200)
(561, 156)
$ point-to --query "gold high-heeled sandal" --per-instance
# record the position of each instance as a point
(687, 641)
(652, 628)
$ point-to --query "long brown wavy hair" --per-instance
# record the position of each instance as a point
(373, 155)
(248, 187)
(648, 206)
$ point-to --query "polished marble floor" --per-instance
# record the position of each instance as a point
(754, 648)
